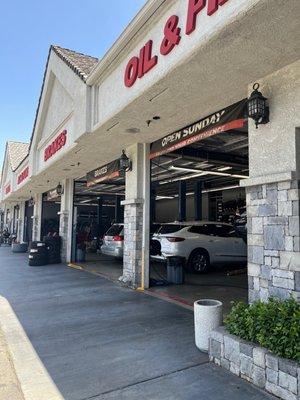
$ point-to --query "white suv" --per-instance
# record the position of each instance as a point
(201, 243)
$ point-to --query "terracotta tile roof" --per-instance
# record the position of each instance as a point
(17, 152)
(80, 63)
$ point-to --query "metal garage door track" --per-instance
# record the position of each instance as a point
(101, 341)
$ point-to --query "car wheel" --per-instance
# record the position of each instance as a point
(199, 261)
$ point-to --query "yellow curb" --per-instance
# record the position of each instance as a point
(75, 266)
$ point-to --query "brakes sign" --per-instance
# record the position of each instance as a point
(56, 145)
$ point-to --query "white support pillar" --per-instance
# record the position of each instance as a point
(21, 221)
(137, 218)
(37, 217)
(65, 223)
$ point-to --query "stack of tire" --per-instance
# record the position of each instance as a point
(53, 245)
(38, 254)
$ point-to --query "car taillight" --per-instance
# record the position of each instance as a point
(175, 239)
(118, 238)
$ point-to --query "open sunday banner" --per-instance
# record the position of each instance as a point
(231, 117)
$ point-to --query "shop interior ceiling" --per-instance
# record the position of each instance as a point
(225, 155)
(217, 161)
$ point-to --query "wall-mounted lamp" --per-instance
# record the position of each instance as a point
(125, 163)
(258, 108)
(31, 202)
(59, 189)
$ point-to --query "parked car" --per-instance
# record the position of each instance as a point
(201, 243)
(113, 241)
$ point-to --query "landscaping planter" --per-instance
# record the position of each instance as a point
(276, 375)
(19, 247)
(208, 315)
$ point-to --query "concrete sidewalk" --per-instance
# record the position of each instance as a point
(98, 340)
(9, 384)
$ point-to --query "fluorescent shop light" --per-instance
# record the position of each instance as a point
(224, 169)
(214, 190)
(209, 172)
(183, 178)
(221, 188)
(164, 197)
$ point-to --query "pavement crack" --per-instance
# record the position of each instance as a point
(145, 381)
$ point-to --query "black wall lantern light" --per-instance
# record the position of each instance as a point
(31, 201)
(125, 163)
(59, 189)
(258, 108)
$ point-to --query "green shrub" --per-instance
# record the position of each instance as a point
(274, 325)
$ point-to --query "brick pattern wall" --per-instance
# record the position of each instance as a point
(273, 240)
(257, 365)
(132, 261)
(63, 233)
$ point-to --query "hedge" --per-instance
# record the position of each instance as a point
(274, 325)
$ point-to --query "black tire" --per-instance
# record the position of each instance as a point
(37, 260)
(53, 243)
(199, 261)
(52, 249)
(34, 263)
(37, 245)
(39, 252)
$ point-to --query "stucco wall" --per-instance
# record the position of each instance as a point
(114, 96)
(60, 106)
(63, 106)
(272, 147)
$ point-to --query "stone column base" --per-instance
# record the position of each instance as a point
(273, 240)
(35, 229)
(133, 237)
(63, 233)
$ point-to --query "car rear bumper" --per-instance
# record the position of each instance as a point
(158, 258)
(164, 256)
(114, 252)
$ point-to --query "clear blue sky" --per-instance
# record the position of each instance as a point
(28, 28)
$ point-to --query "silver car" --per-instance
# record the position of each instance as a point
(113, 241)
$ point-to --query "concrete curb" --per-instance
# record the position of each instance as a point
(35, 382)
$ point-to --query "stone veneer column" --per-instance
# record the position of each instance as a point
(273, 240)
(133, 234)
(37, 217)
(136, 218)
(65, 220)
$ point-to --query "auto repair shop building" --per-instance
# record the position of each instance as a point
(172, 91)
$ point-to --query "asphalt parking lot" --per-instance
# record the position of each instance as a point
(98, 340)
